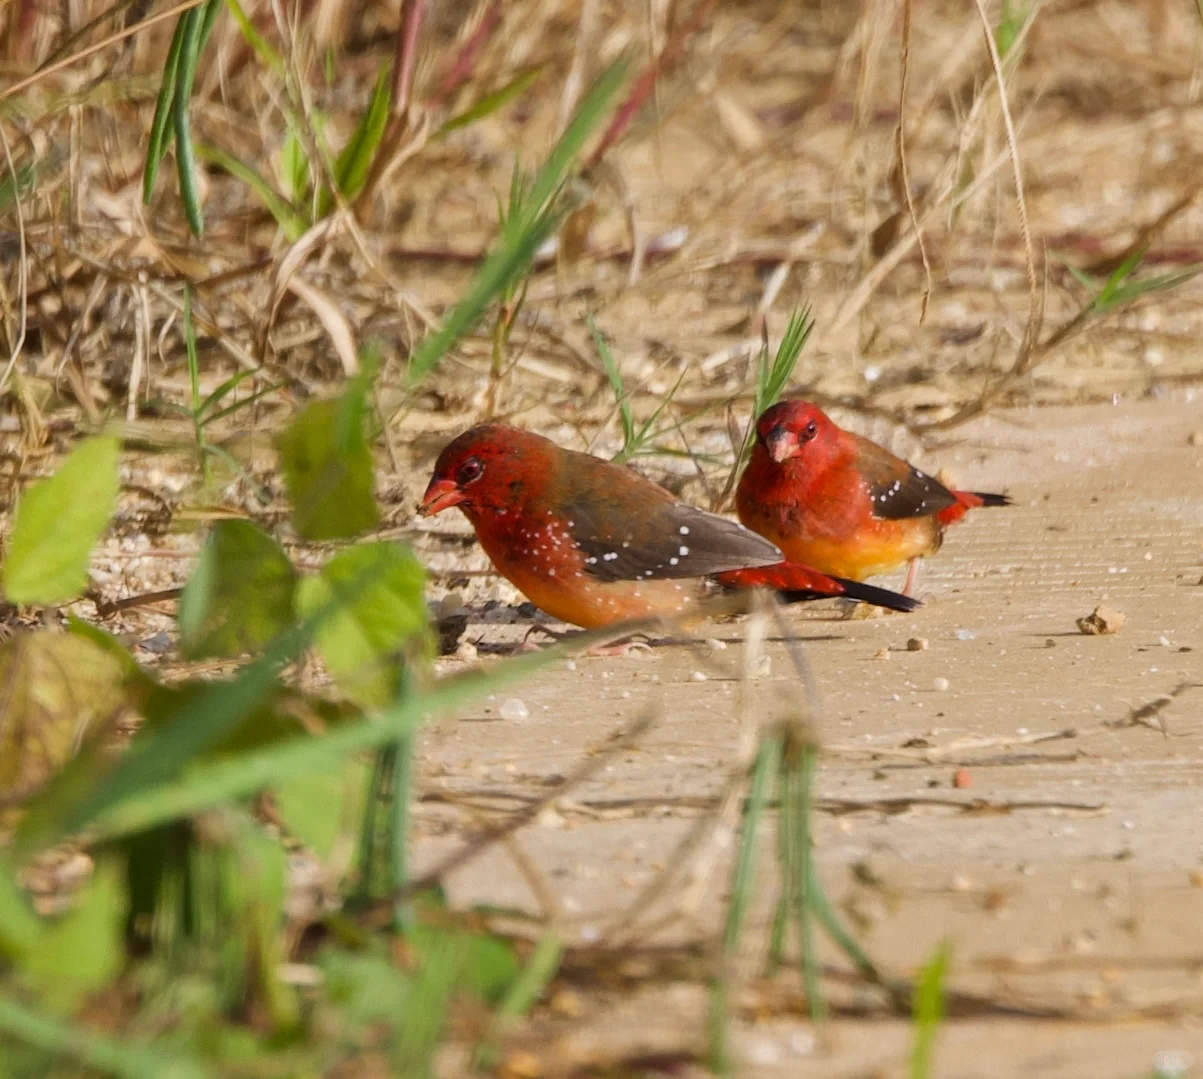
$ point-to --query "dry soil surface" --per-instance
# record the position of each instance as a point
(1067, 873)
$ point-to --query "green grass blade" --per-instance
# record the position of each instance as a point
(190, 350)
(929, 1011)
(160, 130)
(525, 228)
(620, 393)
(491, 103)
(500, 269)
(807, 875)
(213, 782)
(588, 116)
(522, 995)
(291, 222)
(355, 162)
(768, 762)
(182, 122)
(263, 50)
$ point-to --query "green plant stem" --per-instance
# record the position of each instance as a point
(809, 877)
(768, 760)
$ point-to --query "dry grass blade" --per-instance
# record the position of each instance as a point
(332, 319)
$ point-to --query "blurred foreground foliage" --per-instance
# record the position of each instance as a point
(186, 952)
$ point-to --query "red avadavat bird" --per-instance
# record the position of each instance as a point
(593, 543)
(836, 501)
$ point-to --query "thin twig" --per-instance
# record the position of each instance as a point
(903, 173)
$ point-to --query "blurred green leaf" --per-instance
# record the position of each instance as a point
(532, 222)
(328, 467)
(106, 1055)
(368, 988)
(20, 928)
(319, 807)
(364, 642)
(491, 103)
(929, 1011)
(57, 689)
(210, 783)
(136, 678)
(83, 950)
(489, 965)
(240, 595)
(256, 40)
(59, 521)
(160, 752)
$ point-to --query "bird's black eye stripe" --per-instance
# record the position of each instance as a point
(470, 470)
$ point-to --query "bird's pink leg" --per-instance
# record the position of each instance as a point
(912, 576)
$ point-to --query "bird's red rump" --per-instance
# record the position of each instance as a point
(783, 577)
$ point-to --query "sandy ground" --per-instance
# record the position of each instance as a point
(1068, 875)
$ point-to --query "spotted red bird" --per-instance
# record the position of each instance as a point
(832, 499)
(594, 543)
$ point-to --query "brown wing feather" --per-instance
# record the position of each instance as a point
(630, 529)
(898, 490)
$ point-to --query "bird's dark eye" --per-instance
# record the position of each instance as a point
(470, 470)
(809, 431)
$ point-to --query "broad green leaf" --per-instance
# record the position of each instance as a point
(59, 521)
(58, 688)
(20, 928)
(319, 807)
(367, 988)
(160, 752)
(327, 467)
(83, 950)
(364, 641)
(240, 595)
(489, 963)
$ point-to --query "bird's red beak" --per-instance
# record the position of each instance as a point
(780, 443)
(440, 495)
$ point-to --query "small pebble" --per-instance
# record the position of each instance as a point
(513, 708)
(1171, 1063)
(1101, 620)
(1196, 878)
(962, 779)
(698, 676)
(763, 667)
(570, 665)
(715, 645)
(965, 635)
(940, 684)
(882, 653)
(917, 644)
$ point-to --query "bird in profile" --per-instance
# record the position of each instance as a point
(836, 501)
(594, 544)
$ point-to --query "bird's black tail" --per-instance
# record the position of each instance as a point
(864, 593)
(993, 500)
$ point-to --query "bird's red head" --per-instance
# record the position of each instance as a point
(488, 468)
(792, 428)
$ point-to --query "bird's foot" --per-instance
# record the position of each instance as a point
(556, 635)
